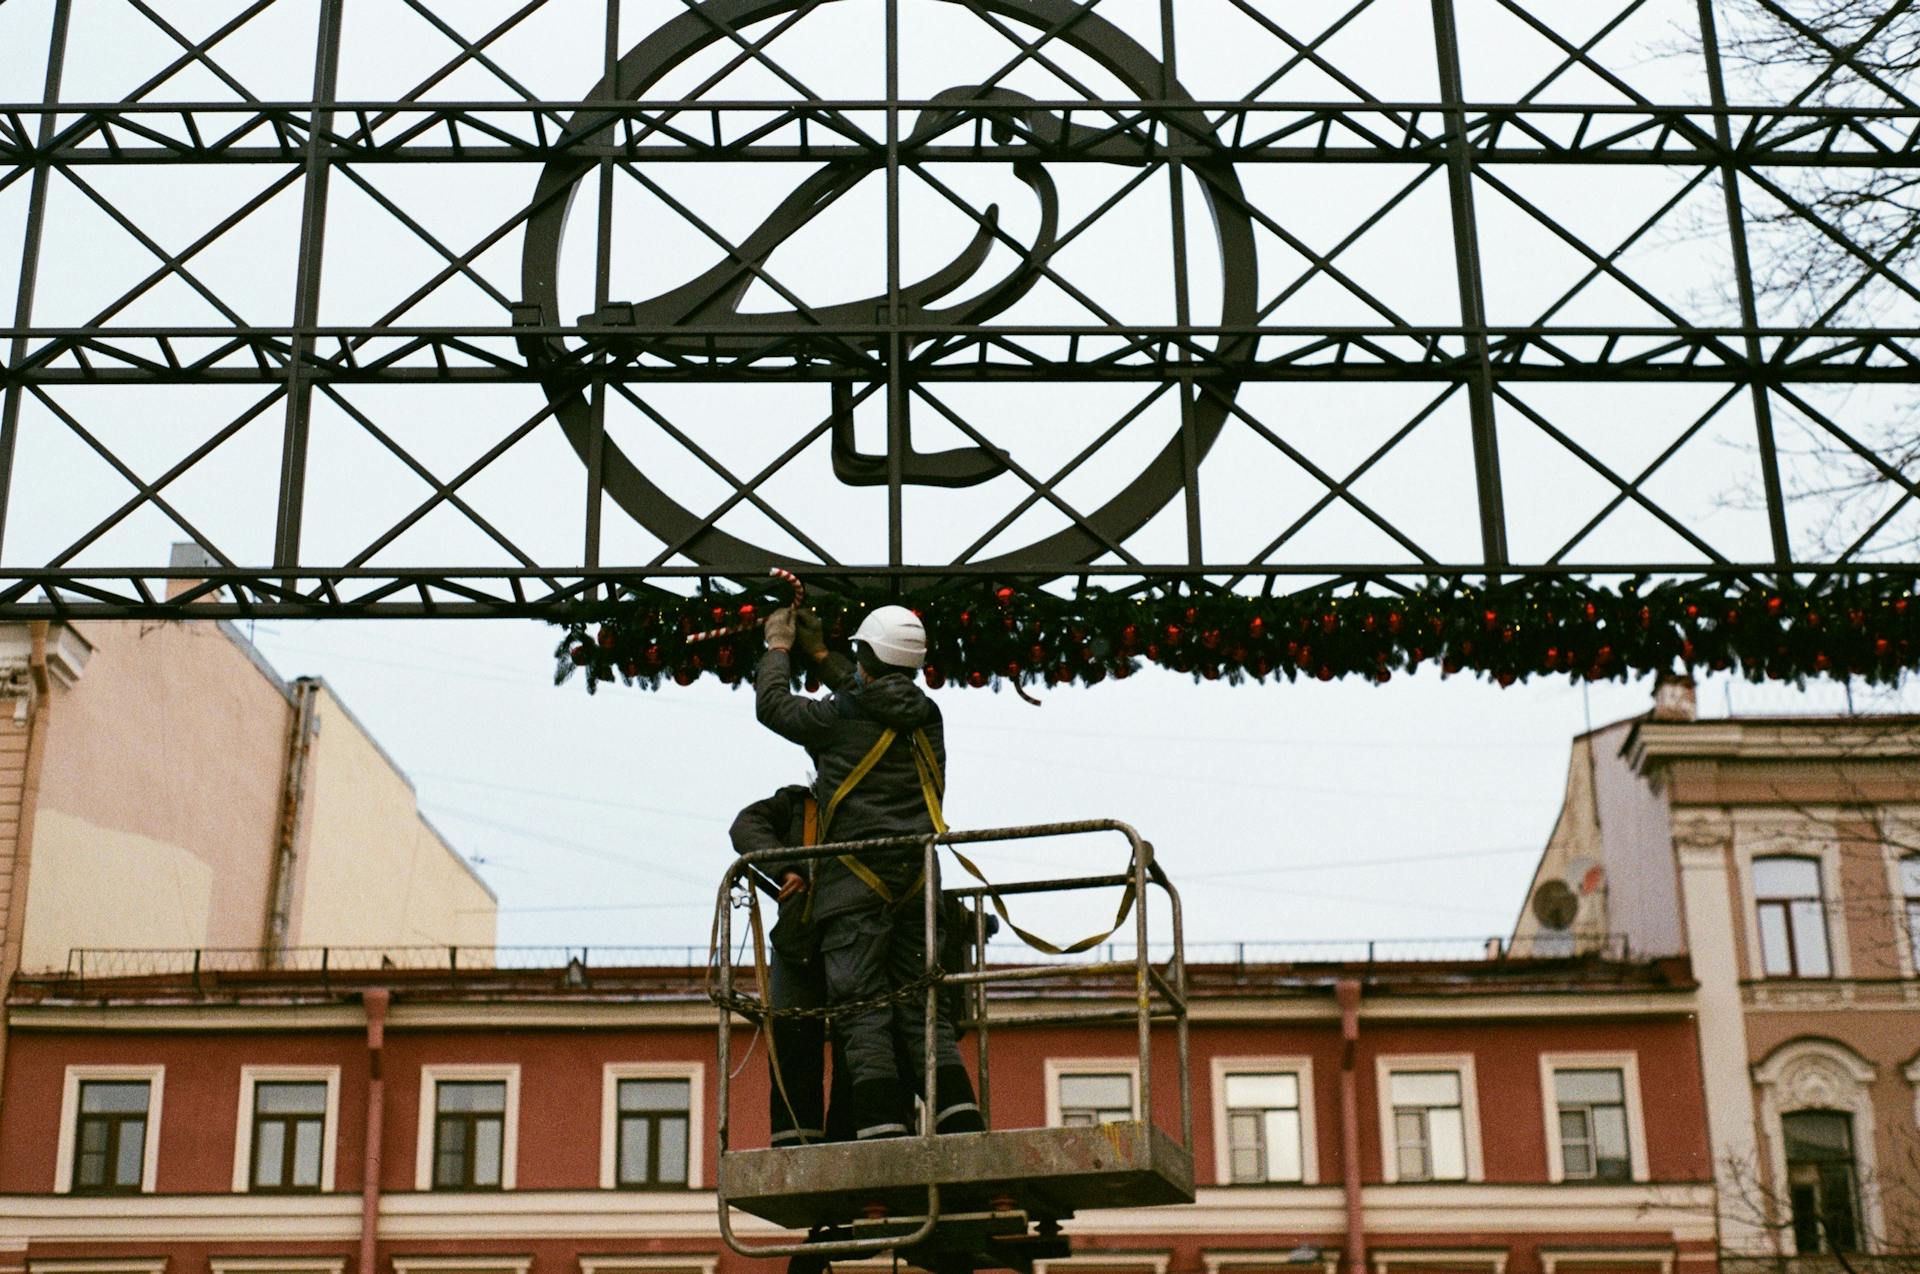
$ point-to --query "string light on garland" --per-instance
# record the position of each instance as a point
(1867, 627)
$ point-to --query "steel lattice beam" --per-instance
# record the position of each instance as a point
(1064, 93)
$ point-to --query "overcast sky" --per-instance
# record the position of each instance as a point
(1288, 812)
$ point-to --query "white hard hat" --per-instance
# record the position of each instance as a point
(895, 635)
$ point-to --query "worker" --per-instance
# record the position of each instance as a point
(795, 1072)
(879, 754)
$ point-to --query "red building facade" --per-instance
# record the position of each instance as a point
(1505, 1117)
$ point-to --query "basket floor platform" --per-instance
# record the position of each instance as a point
(1049, 1173)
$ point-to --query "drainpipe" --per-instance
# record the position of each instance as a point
(375, 1001)
(286, 848)
(1347, 992)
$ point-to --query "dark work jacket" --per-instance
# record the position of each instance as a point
(779, 822)
(837, 731)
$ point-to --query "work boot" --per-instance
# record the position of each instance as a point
(879, 1110)
(955, 1109)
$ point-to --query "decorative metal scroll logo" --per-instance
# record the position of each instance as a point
(710, 302)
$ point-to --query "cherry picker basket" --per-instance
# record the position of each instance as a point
(969, 1200)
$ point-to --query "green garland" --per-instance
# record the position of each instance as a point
(1866, 626)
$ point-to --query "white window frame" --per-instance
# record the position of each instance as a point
(277, 1264)
(1766, 836)
(1055, 1067)
(1658, 1260)
(611, 1075)
(1896, 847)
(1386, 1064)
(156, 1077)
(251, 1077)
(1274, 1261)
(1820, 1074)
(664, 1263)
(1628, 1064)
(1301, 1068)
(1493, 1259)
(431, 1077)
(490, 1263)
(1140, 1262)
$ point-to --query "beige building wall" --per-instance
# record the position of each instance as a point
(159, 798)
(374, 871)
(159, 814)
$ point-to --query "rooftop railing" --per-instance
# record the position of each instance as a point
(89, 963)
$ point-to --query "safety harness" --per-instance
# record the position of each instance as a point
(933, 788)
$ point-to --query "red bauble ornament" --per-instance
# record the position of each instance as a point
(723, 658)
(1210, 672)
(965, 617)
(1490, 619)
(1173, 634)
(1591, 611)
(1449, 666)
(977, 678)
(1394, 620)
(652, 656)
(1821, 663)
(1210, 639)
(1646, 617)
(1122, 670)
(1383, 676)
(1686, 651)
(1013, 669)
(1774, 606)
(1129, 636)
(746, 610)
(1325, 673)
(631, 667)
(581, 654)
(1900, 607)
(1858, 618)
(1062, 674)
(1505, 678)
(606, 636)
(1553, 655)
(934, 677)
(1604, 655)
(1256, 628)
(1008, 622)
(1369, 624)
(684, 676)
(1004, 596)
(1693, 612)
(1329, 622)
(1881, 646)
(719, 614)
(1036, 653)
(1193, 613)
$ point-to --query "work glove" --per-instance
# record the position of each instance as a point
(779, 629)
(810, 636)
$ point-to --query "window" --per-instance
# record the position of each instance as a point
(1095, 1099)
(1263, 1127)
(469, 1127)
(110, 1140)
(289, 1134)
(285, 1136)
(1821, 1185)
(1429, 1126)
(651, 1125)
(469, 1134)
(1592, 1106)
(1910, 895)
(1594, 1127)
(1792, 917)
(653, 1131)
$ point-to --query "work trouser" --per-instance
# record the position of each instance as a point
(868, 953)
(794, 1095)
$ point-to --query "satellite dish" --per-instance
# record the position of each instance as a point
(1555, 905)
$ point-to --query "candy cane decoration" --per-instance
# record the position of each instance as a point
(799, 596)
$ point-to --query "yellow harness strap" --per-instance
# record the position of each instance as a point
(933, 787)
(854, 778)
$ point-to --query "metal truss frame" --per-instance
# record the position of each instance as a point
(898, 345)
